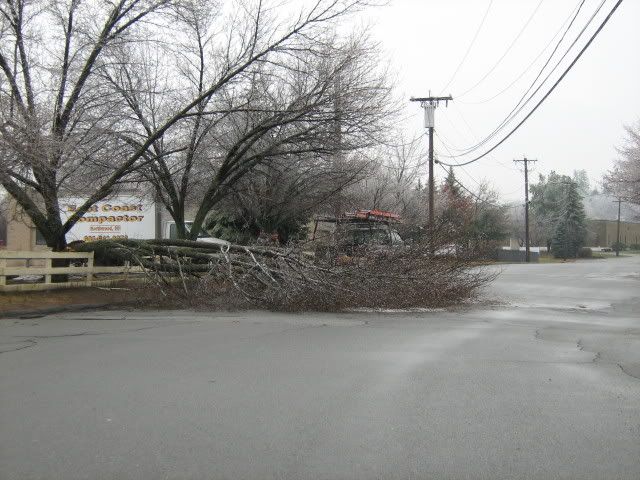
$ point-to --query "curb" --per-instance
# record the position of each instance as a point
(42, 312)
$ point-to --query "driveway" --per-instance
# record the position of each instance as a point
(544, 384)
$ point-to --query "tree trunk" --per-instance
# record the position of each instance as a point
(181, 228)
(58, 243)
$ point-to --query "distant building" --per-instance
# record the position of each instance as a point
(603, 233)
(602, 212)
(605, 207)
(20, 233)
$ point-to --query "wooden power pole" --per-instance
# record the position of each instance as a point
(429, 104)
(619, 202)
(527, 247)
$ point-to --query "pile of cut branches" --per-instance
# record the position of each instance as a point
(263, 276)
(290, 279)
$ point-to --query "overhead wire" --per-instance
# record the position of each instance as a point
(464, 169)
(477, 197)
(473, 41)
(448, 147)
(549, 92)
(571, 18)
(520, 105)
(506, 52)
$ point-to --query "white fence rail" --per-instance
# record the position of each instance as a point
(44, 268)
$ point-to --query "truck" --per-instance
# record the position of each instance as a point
(348, 233)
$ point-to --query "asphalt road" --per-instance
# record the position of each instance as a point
(544, 386)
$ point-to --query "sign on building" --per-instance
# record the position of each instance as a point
(121, 217)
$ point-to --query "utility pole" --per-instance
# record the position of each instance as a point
(526, 161)
(619, 202)
(429, 104)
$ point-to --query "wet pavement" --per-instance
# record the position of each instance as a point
(543, 384)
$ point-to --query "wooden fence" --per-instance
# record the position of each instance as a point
(44, 268)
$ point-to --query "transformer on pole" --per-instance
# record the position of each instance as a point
(429, 104)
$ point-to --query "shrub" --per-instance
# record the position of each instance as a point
(618, 246)
(585, 252)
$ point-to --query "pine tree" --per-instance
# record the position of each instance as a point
(451, 184)
(570, 231)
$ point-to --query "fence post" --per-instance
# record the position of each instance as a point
(48, 263)
(89, 269)
(3, 279)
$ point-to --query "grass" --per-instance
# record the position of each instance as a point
(595, 256)
(624, 253)
(552, 259)
(28, 301)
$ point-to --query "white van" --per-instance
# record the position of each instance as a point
(171, 232)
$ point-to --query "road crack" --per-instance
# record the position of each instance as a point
(29, 343)
(626, 372)
(82, 334)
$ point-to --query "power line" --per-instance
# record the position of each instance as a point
(462, 168)
(463, 187)
(448, 148)
(444, 143)
(515, 40)
(555, 85)
(572, 17)
(470, 176)
(477, 197)
(520, 105)
(473, 41)
(447, 145)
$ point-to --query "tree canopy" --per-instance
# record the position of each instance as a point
(557, 211)
(623, 181)
(190, 96)
(570, 229)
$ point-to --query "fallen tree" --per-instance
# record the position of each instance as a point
(202, 274)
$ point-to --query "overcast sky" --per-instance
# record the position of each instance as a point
(577, 127)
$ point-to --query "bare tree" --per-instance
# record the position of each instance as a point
(279, 197)
(62, 124)
(623, 180)
(310, 104)
(393, 182)
(53, 113)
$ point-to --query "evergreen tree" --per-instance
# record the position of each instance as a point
(582, 179)
(451, 184)
(547, 205)
(570, 230)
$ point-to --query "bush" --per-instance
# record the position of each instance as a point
(635, 246)
(618, 246)
(585, 252)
